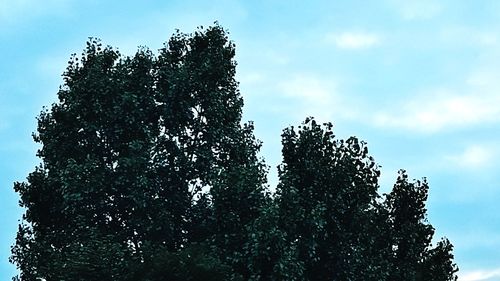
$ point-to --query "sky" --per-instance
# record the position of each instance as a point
(419, 81)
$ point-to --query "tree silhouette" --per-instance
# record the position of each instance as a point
(148, 173)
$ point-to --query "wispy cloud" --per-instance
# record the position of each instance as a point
(475, 103)
(441, 110)
(416, 9)
(481, 275)
(474, 156)
(353, 40)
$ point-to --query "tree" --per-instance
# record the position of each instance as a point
(326, 197)
(411, 235)
(126, 154)
(438, 263)
(147, 173)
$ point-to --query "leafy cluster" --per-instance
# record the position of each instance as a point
(147, 173)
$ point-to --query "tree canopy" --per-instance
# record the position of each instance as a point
(148, 173)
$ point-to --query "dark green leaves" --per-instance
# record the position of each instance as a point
(125, 154)
(147, 173)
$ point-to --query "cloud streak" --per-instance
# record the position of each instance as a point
(440, 111)
(481, 275)
(435, 110)
(474, 156)
(353, 40)
(417, 9)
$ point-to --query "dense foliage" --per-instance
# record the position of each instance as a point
(147, 173)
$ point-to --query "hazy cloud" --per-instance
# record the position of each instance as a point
(353, 40)
(431, 111)
(416, 9)
(474, 156)
(446, 111)
(316, 96)
(481, 275)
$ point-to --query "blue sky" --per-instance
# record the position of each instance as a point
(418, 80)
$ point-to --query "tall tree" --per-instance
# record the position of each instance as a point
(203, 109)
(331, 214)
(147, 173)
(438, 263)
(326, 191)
(126, 153)
(410, 235)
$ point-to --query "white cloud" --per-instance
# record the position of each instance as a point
(443, 109)
(474, 156)
(416, 9)
(480, 275)
(353, 40)
(473, 101)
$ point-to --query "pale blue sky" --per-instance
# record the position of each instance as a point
(418, 80)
